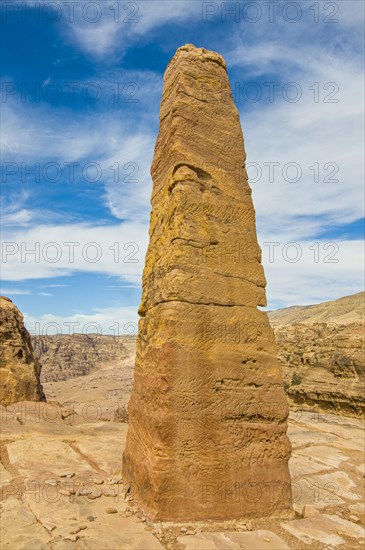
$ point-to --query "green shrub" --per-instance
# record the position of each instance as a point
(296, 379)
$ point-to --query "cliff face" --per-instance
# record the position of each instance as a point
(322, 352)
(67, 356)
(19, 370)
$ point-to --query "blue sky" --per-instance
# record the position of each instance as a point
(76, 152)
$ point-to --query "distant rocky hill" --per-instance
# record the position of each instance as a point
(349, 309)
(67, 356)
(321, 348)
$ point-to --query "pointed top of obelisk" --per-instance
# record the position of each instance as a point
(190, 51)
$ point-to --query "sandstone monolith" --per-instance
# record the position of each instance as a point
(207, 434)
(19, 370)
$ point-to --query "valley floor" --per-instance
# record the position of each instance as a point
(62, 486)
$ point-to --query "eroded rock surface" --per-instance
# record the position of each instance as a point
(208, 409)
(67, 356)
(19, 370)
(322, 352)
(61, 485)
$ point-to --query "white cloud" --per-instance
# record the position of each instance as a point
(103, 27)
(54, 286)
(318, 136)
(122, 146)
(323, 270)
(121, 23)
(14, 291)
(129, 197)
(113, 320)
(60, 250)
(40, 133)
(21, 217)
(123, 156)
(22, 292)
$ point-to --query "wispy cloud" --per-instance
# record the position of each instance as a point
(306, 272)
(104, 27)
(114, 320)
(60, 250)
(122, 24)
(320, 135)
(54, 286)
(14, 291)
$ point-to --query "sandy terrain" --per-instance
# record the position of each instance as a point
(62, 486)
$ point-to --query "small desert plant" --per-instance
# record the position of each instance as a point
(296, 379)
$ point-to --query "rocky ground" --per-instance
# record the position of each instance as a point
(62, 486)
(324, 366)
(322, 353)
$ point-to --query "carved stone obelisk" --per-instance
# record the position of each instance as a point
(207, 435)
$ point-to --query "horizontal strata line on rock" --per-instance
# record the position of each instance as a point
(243, 183)
(255, 419)
(194, 244)
(198, 273)
(197, 244)
(183, 92)
(324, 395)
(197, 270)
(204, 208)
(197, 304)
(208, 117)
(240, 278)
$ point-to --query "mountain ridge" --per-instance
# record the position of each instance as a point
(344, 310)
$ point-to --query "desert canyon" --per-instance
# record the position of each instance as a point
(220, 426)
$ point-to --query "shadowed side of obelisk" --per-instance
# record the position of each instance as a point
(207, 435)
